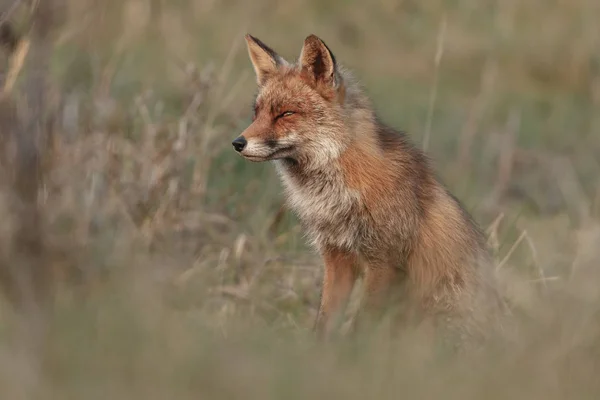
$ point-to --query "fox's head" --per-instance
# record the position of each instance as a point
(299, 106)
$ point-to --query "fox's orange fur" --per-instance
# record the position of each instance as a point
(366, 196)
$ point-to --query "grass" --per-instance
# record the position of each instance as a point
(179, 281)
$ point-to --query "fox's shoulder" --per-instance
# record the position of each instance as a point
(396, 143)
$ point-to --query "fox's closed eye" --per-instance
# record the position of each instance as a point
(284, 114)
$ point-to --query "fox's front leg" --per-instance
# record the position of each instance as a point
(338, 281)
(381, 288)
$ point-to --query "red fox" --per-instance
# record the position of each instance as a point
(367, 198)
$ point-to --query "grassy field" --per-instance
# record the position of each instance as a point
(182, 277)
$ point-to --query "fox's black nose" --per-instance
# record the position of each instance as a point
(239, 143)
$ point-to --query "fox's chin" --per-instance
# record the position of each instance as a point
(276, 155)
(255, 158)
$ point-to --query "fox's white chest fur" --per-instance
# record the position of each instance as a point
(325, 205)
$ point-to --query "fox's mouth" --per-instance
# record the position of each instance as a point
(277, 154)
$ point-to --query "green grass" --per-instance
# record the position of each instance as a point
(185, 291)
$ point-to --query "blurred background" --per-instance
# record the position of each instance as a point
(142, 258)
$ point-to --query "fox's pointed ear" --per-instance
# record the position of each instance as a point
(264, 59)
(318, 61)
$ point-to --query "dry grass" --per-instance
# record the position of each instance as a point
(178, 277)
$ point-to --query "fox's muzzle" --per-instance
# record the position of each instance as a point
(239, 143)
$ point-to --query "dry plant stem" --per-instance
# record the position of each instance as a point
(433, 97)
(16, 64)
(534, 255)
(472, 125)
(506, 156)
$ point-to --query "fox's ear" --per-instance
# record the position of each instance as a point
(318, 61)
(264, 59)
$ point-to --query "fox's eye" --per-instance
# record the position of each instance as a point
(284, 114)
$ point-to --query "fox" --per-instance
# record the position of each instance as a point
(367, 198)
